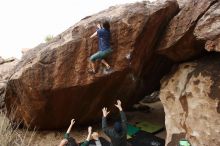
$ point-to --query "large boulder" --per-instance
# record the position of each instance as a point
(178, 42)
(208, 28)
(6, 67)
(191, 99)
(51, 84)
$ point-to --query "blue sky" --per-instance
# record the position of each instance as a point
(25, 23)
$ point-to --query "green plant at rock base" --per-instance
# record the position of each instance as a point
(13, 136)
(48, 38)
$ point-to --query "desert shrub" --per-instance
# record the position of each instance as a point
(48, 38)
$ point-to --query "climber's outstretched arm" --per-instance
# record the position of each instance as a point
(123, 116)
(86, 143)
(67, 134)
(71, 125)
(93, 35)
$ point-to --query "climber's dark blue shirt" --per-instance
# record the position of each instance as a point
(104, 39)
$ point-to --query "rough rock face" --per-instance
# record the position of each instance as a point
(51, 84)
(178, 41)
(182, 3)
(25, 50)
(208, 28)
(1, 60)
(191, 100)
(6, 66)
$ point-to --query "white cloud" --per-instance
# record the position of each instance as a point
(25, 23)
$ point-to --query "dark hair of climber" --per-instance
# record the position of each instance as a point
(106, 25)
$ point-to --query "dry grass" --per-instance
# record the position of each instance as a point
(11, 136)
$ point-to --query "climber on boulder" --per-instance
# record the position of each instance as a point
(104, 34)
(118, 134)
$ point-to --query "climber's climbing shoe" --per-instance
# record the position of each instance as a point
(91, 71)
(107, 70)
